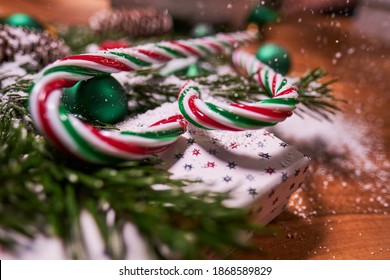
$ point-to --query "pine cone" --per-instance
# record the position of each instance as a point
(42, 47)
(136, 22)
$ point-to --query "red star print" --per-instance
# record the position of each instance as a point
(233, 145)
(270, 170)
(195, 152)
(211, 164)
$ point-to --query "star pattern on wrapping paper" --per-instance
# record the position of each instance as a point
(231, 165)
(306, 168)
(192, 131)
(195, 152)
(252, 192)
(227, 179)
(191, 141)
(297, 171)
(270, 170)
(212, 151)
(260, 145)
(178, 156)
(249, 177)
(233, 145)
(202, 157)
(283, 144)
(188, 167)
(264, 155)
(266, 133)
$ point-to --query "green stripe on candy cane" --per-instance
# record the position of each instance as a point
(84, 148)
(160, 135)
(203, 49)
(133, 59)
(77, 70)
(175, 53)
(182, 108)
(280, 101)
(237, 119)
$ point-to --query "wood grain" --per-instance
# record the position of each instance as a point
(341, 212)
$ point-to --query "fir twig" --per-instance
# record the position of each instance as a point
(43, 192)
(315, 96)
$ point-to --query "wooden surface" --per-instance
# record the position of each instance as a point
(341, 212)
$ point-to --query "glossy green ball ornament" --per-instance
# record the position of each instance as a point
(262, 15)
(69, 99)
(101, 99)
(274, 56)
(23, 20)
(202, 30)
(192, 71)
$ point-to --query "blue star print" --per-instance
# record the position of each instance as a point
(231, 165)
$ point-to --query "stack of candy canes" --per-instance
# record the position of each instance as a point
(82, 140)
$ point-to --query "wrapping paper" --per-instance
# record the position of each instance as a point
(260, 170)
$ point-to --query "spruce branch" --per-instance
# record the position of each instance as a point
(44, 192)
(317, 97)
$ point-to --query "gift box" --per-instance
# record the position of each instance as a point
(259, 170)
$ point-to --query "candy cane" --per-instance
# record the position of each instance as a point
(89, 143)
(242, 116)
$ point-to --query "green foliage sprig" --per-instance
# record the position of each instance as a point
(45, 192)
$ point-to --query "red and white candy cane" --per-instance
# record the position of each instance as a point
(89, 143)
(242, 116)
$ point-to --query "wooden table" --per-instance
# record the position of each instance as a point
(341, 212)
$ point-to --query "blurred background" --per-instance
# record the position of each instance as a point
(371, 16)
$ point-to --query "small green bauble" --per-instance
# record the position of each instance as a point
(69, 98)
(23, 20)
(202, 30)
(101, 99)
(192, 71)
(262, 15)
(274, 56)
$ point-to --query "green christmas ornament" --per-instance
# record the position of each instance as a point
(192, 71)
(101, 99)
(202, 30)
(69, 99)
(274, 56)
(262, 15)
(23, 20)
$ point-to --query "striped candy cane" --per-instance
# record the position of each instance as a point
(91, 144)
(242, 116)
